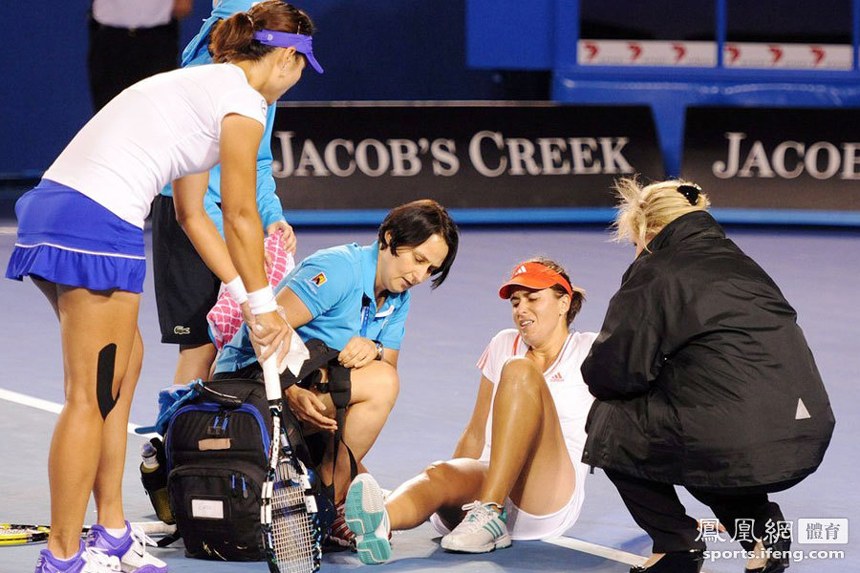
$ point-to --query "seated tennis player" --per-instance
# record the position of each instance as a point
(356, 299)
(516, 472)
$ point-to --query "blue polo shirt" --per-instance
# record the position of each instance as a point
(337, 287)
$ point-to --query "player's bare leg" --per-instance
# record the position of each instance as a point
(443, 488)
(108, 485)
(90, 321)
(528, 458)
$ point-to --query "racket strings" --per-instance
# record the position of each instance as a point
(14, 534)
(15, 531)
(293, 529)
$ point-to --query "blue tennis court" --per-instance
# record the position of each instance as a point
(446, 333)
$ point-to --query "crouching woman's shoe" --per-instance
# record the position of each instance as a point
(777, 558)
(675, 562)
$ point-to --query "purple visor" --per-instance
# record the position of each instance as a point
(302, 44)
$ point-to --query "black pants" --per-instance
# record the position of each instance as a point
(655, 507)
(120, 57)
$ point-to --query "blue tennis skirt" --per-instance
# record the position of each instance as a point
(67, 238)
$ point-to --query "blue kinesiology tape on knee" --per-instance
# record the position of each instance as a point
(104, 380)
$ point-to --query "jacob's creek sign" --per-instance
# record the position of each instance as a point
(375, 156)
(775, 158)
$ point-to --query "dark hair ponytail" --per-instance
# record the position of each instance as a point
(233, 38)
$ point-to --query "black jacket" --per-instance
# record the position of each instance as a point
(702, 375)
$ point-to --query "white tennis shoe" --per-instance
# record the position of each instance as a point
(130, 549)
(483, 529)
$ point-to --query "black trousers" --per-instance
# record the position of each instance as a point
(120, 57)
(655, 507)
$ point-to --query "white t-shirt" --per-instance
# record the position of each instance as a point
(132, 13)
(152, 133)
(569, 392)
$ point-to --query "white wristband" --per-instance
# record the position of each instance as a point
(262, 301)
(237, 291)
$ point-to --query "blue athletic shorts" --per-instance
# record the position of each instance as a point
(67, 238)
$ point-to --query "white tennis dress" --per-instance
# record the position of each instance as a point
(572, 403)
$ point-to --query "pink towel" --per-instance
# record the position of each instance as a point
(225, 318)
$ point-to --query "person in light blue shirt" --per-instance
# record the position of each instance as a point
(356, 299)
(332, 284)
(185, 288)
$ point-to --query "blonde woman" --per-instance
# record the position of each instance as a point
(703, 379)
(516, 471)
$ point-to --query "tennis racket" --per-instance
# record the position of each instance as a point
(20, 534)
(288, 514)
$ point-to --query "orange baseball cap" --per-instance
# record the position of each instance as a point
(535, 276)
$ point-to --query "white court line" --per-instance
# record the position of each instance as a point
(597, 550)
(8, 230)
(52, 407)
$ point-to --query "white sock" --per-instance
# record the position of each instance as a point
(67, 559)
(116, 533)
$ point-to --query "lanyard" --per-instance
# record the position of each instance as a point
(365, 316)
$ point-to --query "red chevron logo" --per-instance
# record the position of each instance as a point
(776, 52)
(818, 53)
(734, 52)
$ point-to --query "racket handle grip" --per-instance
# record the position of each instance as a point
(272, 378)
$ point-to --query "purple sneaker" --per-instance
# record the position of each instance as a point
(130, 549)
(86, 560)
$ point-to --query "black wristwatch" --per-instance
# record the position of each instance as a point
(379, 349)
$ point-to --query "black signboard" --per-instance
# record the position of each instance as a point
(775, 158)
(377, 156)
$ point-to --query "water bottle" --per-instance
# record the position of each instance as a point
(150, 458)
(154, 478)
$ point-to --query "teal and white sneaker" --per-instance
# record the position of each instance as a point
(366, 517)
(483, 529)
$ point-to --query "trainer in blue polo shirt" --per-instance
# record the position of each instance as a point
(356, 299)
(337, 287)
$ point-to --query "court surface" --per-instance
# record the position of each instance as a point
(446, 332)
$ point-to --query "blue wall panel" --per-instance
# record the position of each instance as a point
(43, 94)
(380, 50)
(510, 34)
